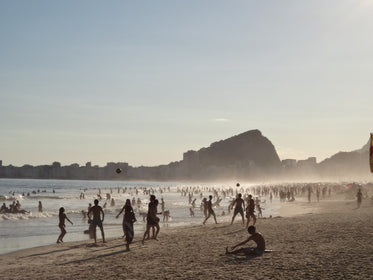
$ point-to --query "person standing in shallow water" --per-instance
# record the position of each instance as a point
(250, 210)
(127, 224)
(210, 210)
(62, 217)
(152, 221)
(97, 221)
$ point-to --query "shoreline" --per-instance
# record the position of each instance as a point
(331, 241)
(284, 210)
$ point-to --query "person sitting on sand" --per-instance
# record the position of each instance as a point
(62, 216)
(210, 210)
(257, 238)
(96, 221)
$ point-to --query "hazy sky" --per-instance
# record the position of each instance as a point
(144, 81)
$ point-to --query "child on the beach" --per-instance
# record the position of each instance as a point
(61, 225)
(257, 238)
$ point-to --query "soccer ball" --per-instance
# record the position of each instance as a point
(118, 170)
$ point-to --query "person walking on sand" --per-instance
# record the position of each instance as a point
(257, 238)
(62, 217)
(40, 207)
(240, 205)
(97, 221)
(359, 196)
(210, 210)
(127, 224)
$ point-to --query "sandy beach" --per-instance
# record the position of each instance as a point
(326, 240)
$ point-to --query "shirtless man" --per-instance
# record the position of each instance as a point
(96, 221)
(240, 205)
(250, 210)
(152, 220)
(257, 238)
(210, 210)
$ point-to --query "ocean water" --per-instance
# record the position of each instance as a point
(21, 231)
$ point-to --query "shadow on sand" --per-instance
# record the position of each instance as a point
(95, 257)
(47, 253)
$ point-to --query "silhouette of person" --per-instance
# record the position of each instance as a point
(62, 217)
(256, 237)
(97, 221)
(127, 224)
(210, 210)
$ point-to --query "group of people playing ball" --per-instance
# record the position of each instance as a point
(152, 223)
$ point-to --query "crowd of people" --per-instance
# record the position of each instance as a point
(14, 208)
(96, 217)
(246, 203)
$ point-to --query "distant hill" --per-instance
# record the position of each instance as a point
(245, 156)
(354, 164)
(249, 148)
(251, 156)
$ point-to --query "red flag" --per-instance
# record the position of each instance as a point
(371, 153)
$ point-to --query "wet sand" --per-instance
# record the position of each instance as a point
(327, 240)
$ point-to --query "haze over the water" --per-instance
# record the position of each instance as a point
(145, 81)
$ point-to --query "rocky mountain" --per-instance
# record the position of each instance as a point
(344, 165)
(249, 155)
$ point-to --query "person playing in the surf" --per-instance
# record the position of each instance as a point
(62, 217)
(240, 205)
(210, 210)
(97, 221)
(250, 210)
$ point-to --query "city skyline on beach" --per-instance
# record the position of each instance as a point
(145, 82)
